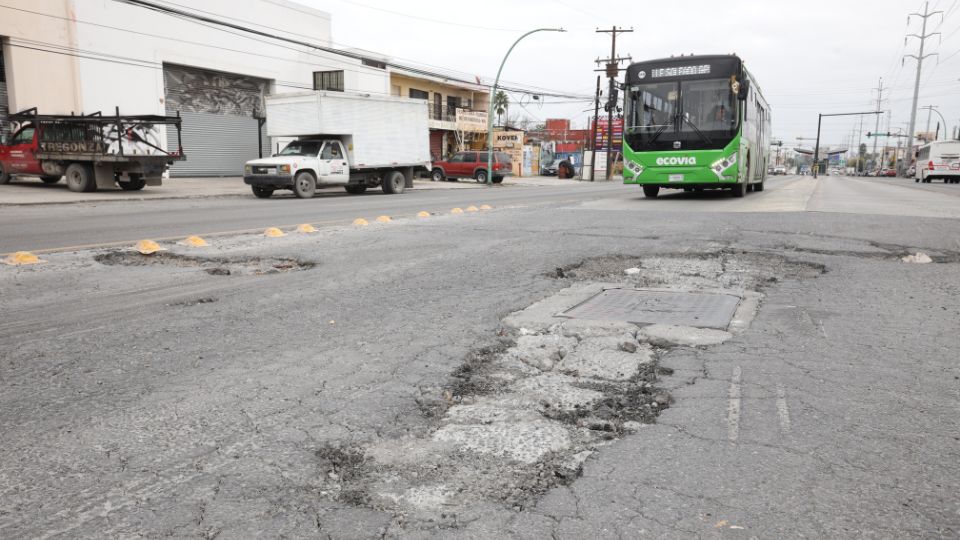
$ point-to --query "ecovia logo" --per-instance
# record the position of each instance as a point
(689, 160)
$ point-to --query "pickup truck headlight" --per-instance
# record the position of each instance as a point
(285, 169)
(718, 167)
(247, 169)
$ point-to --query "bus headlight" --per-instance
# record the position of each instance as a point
(634, 167)
(718, 167)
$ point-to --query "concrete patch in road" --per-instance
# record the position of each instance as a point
(215, 266)
(667, 335)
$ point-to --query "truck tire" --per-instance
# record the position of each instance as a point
(4, 175)
(481, 176)
(50, 179)
(80, 178)
(355, 189)
(304, 185)
(136, 183)
(651, 192)
(437, 175)
(262, 192)
(393, 183)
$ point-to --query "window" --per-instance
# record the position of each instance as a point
(374, 63)
(331, 150)
(25, 136)
(328, 80)
(419, 94)
(301, 148)
(454, 103)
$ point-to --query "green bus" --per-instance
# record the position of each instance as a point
(693, 123)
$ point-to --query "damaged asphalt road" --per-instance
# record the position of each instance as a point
(391, 381)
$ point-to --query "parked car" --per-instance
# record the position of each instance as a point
(550, 169)
(472, 164)
(779, 170)
(889, 173)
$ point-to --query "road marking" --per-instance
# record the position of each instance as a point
(733, 409)
(783, 411)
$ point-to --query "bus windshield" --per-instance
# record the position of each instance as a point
(698, 114)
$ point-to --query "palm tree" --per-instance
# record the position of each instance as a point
(500, 104)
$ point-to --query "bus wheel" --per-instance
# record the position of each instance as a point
(740, 190)
(651, 192)
(758, 187)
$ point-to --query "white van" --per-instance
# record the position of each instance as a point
(939, 160)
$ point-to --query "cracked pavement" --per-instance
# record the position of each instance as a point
(162, 400)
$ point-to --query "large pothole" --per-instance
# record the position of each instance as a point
(524, 414)
(215, 266)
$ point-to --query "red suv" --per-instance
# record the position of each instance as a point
(472, 165)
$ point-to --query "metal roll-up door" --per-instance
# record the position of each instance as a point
(436, 144)
(220, 120)
(4, 104)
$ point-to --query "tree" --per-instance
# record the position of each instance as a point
(500, 104)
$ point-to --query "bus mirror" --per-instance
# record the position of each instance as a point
(743, 90)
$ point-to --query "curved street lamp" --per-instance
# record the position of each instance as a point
(493, 95)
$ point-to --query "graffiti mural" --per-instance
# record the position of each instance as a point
(202, 91)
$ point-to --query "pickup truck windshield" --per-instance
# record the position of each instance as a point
(302, 148)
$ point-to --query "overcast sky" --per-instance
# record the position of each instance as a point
(809, 57)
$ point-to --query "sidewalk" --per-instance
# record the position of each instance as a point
(31, 191)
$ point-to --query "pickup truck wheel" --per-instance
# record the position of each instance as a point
(481, 176)
(437, 175)
(4, 175)
(497, 179)
(80, 178)
(304, 185)
(261, 192)
(136, 183)
(49, 179)
(355, 189)
(393, 183)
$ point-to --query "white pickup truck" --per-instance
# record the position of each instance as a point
(357, 141)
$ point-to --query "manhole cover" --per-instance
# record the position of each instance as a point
(701, 310)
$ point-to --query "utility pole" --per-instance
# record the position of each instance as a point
(876, 127)
(593, 140)
(922, 36)
(612, 68)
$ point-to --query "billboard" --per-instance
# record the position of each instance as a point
(603, 133)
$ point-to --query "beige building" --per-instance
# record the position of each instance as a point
(446, 97)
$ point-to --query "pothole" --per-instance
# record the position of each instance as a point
(524, 414)
(215, 266)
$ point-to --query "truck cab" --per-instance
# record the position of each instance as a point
(17, 154)
(324, 160)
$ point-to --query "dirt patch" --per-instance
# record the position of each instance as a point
(215, 266)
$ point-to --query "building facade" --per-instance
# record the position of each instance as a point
(82, 56)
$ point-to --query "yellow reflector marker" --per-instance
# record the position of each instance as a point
(457, 211)
(423, 214)
(22, 257)
(195, 241)
(306, 228)
(274, 232)
(472, 209)
(148, 247)
(383, 219)
(360, 221)
(486, 207)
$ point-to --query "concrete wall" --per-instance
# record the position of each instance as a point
(35, 78)
(114, 53)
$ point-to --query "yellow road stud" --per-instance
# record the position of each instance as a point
(472, 208)
(423, 214)
(195, 241)
(383, 219)
(486, 207)
(457, 211)
(22, 257)
(148, 247)
(361, 222)
(274, 232)
(306, 228)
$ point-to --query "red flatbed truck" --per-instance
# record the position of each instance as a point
(92, 151)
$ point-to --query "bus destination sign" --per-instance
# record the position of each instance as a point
(680, 71)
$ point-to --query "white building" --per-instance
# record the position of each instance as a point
(83, 56)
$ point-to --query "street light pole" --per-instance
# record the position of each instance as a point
(816, 149)
(493, 96)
